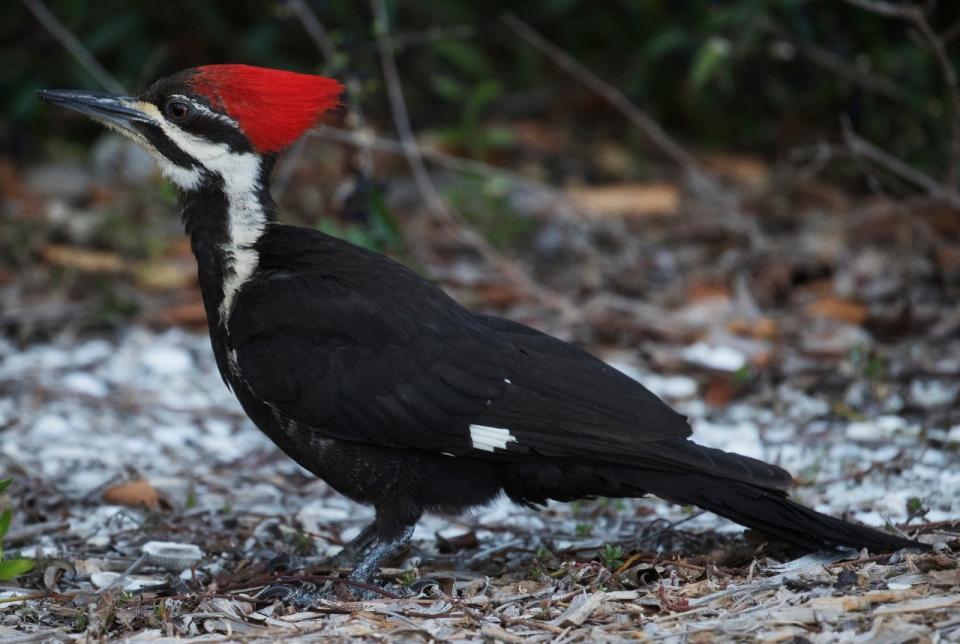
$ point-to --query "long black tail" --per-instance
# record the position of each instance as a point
(764, 510)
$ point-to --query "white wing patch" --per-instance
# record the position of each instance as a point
(490, 438)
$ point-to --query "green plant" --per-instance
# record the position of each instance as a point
(407, 578)
(484, 204)
(539, 566)
(10, 568)
(612, 556)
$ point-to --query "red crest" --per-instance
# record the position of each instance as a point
(274, 107)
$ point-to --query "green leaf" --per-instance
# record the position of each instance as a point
(13, 568)
(708, 60)
(5, 517)
(447, 88)
(5, 483)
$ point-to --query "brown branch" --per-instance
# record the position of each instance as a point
(916, 16)
(835, 64)
(355, 119)
(401, 118)
(700, 180)
(74, 46)
(314, 28)
(867, 150)
(436, 204)
(433, 155)
(654, 132)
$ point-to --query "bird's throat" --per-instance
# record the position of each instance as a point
(225, 217)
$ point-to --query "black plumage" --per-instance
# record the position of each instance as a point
(375, 380)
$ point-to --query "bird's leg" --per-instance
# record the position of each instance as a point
(356, 548)
(383, 548)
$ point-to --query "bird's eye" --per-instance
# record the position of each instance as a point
(178, 110)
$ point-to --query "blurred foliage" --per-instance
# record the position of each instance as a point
(10, 568)
(728, 74)
(483, 203)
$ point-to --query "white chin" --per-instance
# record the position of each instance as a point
(186, 179)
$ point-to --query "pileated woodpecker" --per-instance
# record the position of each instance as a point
(379, 383)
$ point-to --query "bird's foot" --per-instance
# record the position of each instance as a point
(306, 594)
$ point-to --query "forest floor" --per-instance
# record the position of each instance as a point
(800, 325)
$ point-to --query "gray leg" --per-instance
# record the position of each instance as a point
(382, 549)
(356, 548)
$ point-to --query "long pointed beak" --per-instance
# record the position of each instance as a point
(117, 111)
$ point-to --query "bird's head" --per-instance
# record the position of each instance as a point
(212, 120)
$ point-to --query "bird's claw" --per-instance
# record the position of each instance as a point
(305, 594)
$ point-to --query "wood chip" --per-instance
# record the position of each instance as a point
(629, 199)
(579, 610)
(919, 605)
(501, 635)
(83, 259)
(836, 308)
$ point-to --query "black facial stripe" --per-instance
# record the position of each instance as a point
(212, 129)
(206, 126)
(159, 140)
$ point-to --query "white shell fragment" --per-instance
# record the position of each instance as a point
(171, 555)
(107, 579)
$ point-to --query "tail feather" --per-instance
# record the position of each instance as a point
(768, 511)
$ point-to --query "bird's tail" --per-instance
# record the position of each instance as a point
(768, 511)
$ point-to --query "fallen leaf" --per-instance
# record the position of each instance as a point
(137, 493)
(707, 289)
(166, 274)
(720, 391)
(762, 328)
(837, 308)
(628, 199)
(82, 259)
(739, 168)
(190, 314)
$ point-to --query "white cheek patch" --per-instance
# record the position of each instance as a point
(490, 438)
(185, 178)
(240, 171)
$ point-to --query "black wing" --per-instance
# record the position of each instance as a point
(360, 348)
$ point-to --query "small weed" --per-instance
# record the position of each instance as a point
(743, 376)
(80, 622)
(191, 500)
(611, 556)
(484, 204)
(407, 578)
(304, 544)
(915, 508)
(10, 568)
(867, 363)
(584, 529)
(539, 566)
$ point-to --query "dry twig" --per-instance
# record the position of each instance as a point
(401, 118)
(74, 46)
(918, 18)
(700, 180)
(674, 151)
(835, 64)
(865, 149)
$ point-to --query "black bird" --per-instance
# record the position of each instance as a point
(379, 383)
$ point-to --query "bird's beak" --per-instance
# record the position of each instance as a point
(116, 111)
